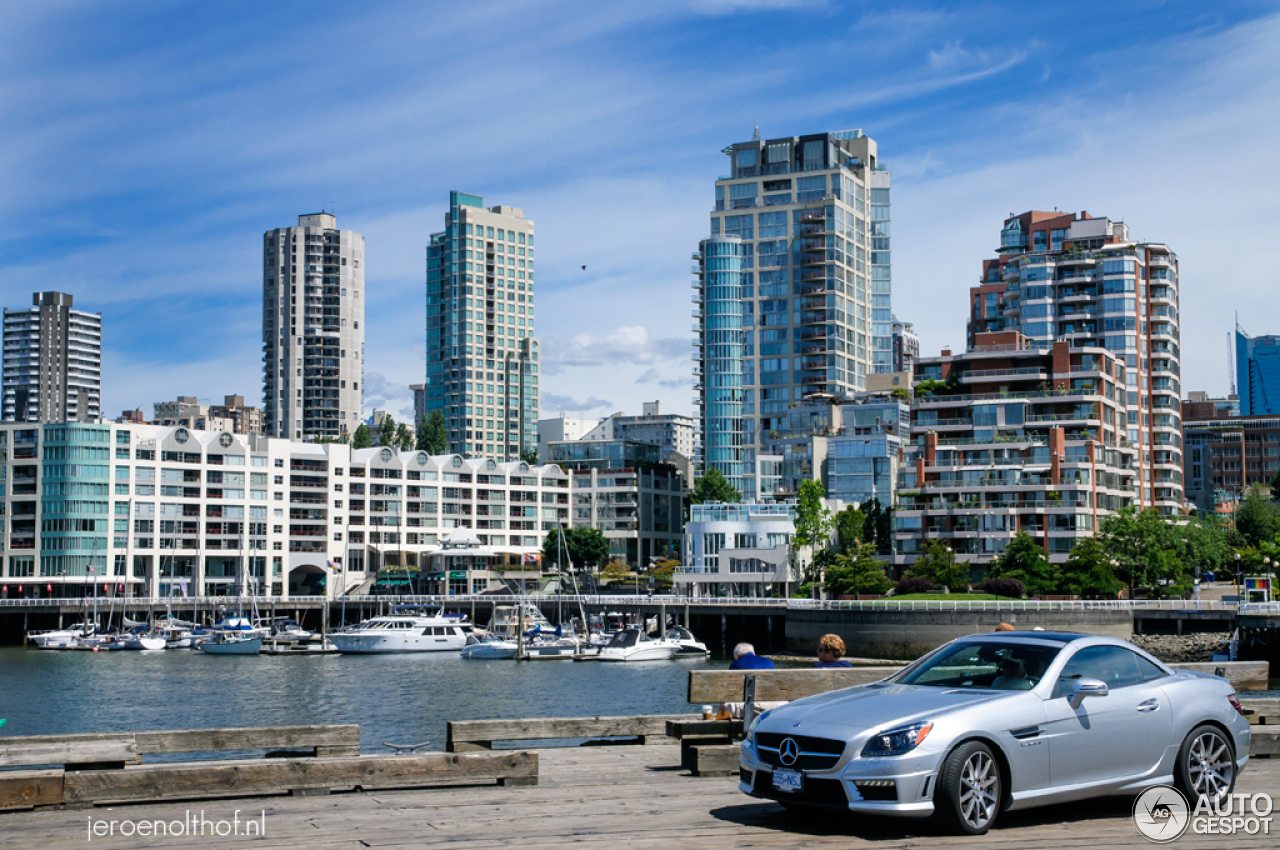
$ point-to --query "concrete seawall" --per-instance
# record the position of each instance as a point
(907, 635)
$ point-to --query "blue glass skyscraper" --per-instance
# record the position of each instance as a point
(1258, 374)
(720, 340)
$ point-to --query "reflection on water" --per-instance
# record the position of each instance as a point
(399, 698)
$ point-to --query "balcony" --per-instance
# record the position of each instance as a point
(812, 319)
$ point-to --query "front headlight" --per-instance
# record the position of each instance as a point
(895, 742)
(751, 731)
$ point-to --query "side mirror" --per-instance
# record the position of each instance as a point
(1087, 688)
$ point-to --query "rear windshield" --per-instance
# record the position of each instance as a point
(995, 665)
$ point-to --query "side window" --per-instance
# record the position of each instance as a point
(1112, 665)
(1148, 670)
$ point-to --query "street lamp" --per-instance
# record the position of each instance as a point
(1239, 574)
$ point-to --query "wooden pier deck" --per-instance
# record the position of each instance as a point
(594, 797)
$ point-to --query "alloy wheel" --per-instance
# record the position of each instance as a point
(1210, 767)
(979, 790)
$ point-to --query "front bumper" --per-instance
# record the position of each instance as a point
(913, 780)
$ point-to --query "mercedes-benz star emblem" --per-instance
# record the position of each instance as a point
(788, 751)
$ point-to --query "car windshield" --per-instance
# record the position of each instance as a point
(990, 665)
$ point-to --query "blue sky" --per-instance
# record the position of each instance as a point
(147, 146)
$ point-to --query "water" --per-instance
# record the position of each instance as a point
(398, 698)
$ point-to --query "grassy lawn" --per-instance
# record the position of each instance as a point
(949, 597)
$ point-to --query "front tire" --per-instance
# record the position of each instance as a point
(1206, 765)
(970, 789)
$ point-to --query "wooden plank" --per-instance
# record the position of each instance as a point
(715, 759)
(51, 749)
(470, 735)
(681, 729)
(1243, 675)
(1266, 710)
(712, 686)
(235, 778)
(1265, 741)
(23, 789)
(251, 738)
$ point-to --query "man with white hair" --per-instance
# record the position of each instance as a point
(745, 658)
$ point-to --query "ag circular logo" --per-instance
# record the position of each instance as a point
(1161, 813)
(788, 751)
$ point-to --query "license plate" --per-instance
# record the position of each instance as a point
(788, 780)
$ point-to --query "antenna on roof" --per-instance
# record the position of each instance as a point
(1231, 366)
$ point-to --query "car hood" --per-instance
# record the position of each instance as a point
(874, 707)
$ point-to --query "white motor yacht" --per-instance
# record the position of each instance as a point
(690, 647)
(232, 643)
(62, 638)
(487, 646)
(635, 645)
(404, 633)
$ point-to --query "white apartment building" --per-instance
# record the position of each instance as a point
(740, 549)
(52, 361)
(313, 340)
(672, 432)
(558, 429)
(174, 511)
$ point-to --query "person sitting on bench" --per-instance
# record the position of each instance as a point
(745, 658)
(831, 652)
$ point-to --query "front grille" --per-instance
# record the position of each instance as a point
(817, 792)
(880, 790)
(815, 753)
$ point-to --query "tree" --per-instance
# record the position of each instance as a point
(362, 439)
(1256, 517)
(433, 436)
(813, 519)
(387, 431)
(938, 564)
(900, 394)
(1026, 561)
(857, 574)
(871, 525)
(404, 437)
(584, 548)
(616, 570)
(664, 572)
(714, 487)
(1089, 571)
(1275, 488)
(1139, 543)
(849, 525)
(530, 456)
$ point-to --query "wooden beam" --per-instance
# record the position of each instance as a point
(1265, 741)
(713, 686)
(233, 778)
(24, 789)
(476, 735)
(715, 759)
(251, 738)
(1243, 675)
(1266, 710)
(54, 749)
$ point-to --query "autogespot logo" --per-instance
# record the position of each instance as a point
(789, 751)
(1161, 813)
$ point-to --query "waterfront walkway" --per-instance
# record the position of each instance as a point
(596, 797)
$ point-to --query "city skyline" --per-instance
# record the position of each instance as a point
(973, 123)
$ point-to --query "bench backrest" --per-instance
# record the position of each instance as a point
(715, 686)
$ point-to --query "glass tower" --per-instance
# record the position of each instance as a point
(1258, 374)
(482, 357)
(812, 214)
(719, 341)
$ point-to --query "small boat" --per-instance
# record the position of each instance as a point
(230, 643)
(690, 647)
(487, 646)
(285, 628)
(635, 645)
(404, 633)
(240, 624)
(139, 639)
(62, 638)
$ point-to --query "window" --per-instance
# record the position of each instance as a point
(1112, 665)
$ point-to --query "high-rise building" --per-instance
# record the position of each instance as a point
(482, 356)
(718, 373)
(313, 340)
(1258, 373)
(906, 345)
(52, 361)
(812, 214)
(1080, 279)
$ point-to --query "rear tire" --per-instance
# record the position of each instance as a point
(970, 789)
(1206, 765)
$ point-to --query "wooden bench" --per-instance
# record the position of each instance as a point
(1265, 742)
(716, 686)
(1243, 675)
(477, 735)
(693, 734)
(107, 767)
(1266, 710)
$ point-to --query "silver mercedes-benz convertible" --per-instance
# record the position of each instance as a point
(1001, 721)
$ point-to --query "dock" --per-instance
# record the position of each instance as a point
(597, 797)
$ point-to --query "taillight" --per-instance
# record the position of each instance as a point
(1235, 703)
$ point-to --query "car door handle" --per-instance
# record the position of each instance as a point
(1149, 705)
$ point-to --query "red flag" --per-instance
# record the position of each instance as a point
(49, 587)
